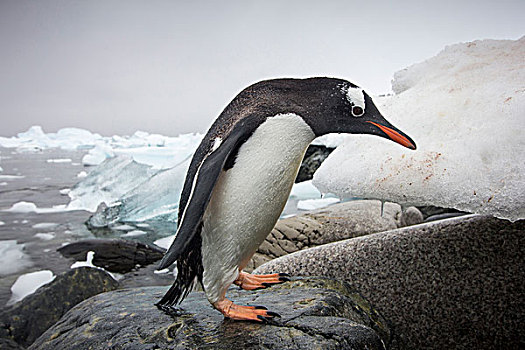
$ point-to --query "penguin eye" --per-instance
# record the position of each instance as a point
(357, 111)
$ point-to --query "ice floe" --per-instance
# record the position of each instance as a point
(11, 177)
(45, 236)
(59, 160)
(12, 258)
(312, 204)
(29, 207)
(45, 225)
(165, 242)
(133, 233)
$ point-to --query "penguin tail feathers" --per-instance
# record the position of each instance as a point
(177, 292)
(189, 270)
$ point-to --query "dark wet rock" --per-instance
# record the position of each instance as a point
(331, 224)
(314, 156)
(430, 210)
(26, 320)
(451, 284)
(317, 313)
(146, 276)
(115, 255)
(443, 216)
(8, 344)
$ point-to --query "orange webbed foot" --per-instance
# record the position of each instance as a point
(250, 282)
(244, 313)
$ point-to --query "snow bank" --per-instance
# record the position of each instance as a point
(28, 284)
(12, 258)
(465, 109)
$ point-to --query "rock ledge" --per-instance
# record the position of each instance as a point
(316, 313)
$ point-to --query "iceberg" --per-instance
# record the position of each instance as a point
(36, 139)
(156, 150)
(157, 197)
(465, 108)
(108, 182)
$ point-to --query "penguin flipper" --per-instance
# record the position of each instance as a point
(203, 183)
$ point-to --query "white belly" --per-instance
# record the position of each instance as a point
(247, 200)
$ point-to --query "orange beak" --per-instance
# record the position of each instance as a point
(395, 136)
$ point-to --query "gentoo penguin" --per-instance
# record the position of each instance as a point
(241, 175)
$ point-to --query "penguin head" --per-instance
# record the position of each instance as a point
(342, 107)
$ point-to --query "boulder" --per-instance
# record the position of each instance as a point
(331, 224)
(457, 283)
(314, 156)
(8, 344)
(317, 313)
(26, 320)
(115, 255)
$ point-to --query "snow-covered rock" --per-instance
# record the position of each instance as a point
(465, 109)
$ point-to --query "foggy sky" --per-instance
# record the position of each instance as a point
(170, 67)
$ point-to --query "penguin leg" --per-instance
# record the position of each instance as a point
(248, 281)
(243, 313)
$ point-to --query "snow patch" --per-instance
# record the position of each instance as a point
(28, 283)
(89, 263)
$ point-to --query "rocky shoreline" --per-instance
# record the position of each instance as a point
(462, 277)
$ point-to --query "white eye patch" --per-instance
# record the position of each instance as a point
(357, 100)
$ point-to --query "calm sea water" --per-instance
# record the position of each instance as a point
(39, 181)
